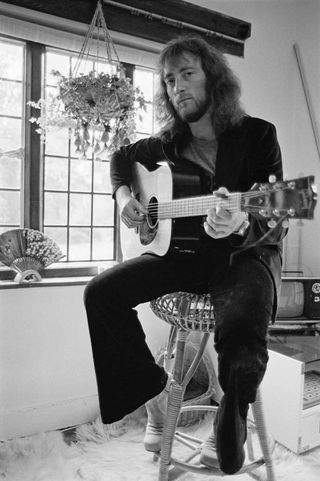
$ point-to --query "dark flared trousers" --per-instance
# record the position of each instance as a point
(127, 374)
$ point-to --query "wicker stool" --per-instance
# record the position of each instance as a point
(187, 312)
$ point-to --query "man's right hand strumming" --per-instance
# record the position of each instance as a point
(132, 213)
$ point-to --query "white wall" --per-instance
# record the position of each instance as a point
(306, 158)
(47, 378)
(46, 372)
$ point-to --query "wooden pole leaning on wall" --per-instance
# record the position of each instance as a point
(308, 98)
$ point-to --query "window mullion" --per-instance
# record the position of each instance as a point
(129, 70)
(33, 174)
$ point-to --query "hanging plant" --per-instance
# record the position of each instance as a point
(99, 108)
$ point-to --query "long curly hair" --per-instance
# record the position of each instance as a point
(222, 85)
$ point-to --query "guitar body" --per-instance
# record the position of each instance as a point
(162, 185)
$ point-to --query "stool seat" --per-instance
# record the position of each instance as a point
(186, 312)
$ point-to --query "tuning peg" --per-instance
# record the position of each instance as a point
(272, 223)
(314, 189)
(263, 212)
(276, 212)
(285, 224)
(272, 179)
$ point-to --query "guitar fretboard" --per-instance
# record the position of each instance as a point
(196, 206)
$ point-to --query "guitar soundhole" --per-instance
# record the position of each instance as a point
(152, 217)
(148, 230)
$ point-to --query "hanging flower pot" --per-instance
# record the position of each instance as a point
(99, 108)
(95, 102)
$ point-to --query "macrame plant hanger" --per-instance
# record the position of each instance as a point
(98, 22)
(99, 25)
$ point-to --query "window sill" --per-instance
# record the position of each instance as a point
(53, 282)
(62, 274)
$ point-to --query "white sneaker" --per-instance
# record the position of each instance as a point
(208, 455)
(156, 410)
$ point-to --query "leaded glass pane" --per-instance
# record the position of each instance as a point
(102, 177)
(80, 242)
(55, 208)
(80, 209)
(11, 61)
(144, 80)
(56, 173)
(10, 132)
(10, 172)
(145, 121)
(103, 244)
(56, 62)
(11, 96)
(103, 210)
(57, 141)
(80, 175)
(9, 207)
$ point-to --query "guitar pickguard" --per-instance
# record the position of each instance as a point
(147, 233)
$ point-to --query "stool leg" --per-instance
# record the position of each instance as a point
(197, 359)
(169, 353)
(259, 419)
(175, 398)
(179, 355)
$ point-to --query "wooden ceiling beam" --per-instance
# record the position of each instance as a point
(157, 27)
(192, 14)
(163, 30)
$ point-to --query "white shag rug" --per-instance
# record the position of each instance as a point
(97, 452)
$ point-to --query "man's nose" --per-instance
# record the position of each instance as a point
(179, 85)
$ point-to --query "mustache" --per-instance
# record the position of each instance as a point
(182, 98)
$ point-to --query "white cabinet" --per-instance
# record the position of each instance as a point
(291, 392)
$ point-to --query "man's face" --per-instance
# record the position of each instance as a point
(186, 82)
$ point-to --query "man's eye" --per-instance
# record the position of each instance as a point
(170, 82)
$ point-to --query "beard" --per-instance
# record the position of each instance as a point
(196, 113)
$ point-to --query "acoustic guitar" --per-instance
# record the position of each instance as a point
(176, 206)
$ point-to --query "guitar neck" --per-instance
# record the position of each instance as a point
(197, 206)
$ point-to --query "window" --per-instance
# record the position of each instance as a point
(74, 206)
(78, 209)
(146, 80)
(12, 88)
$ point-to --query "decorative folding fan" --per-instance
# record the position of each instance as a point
(28, 251)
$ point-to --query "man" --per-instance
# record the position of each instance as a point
(237, 257)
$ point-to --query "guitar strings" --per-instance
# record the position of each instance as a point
(201, 199)
(232, 201)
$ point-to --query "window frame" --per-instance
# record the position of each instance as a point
(33, 164)
(32, 188)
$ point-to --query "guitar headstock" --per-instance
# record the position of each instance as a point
(293, 199)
